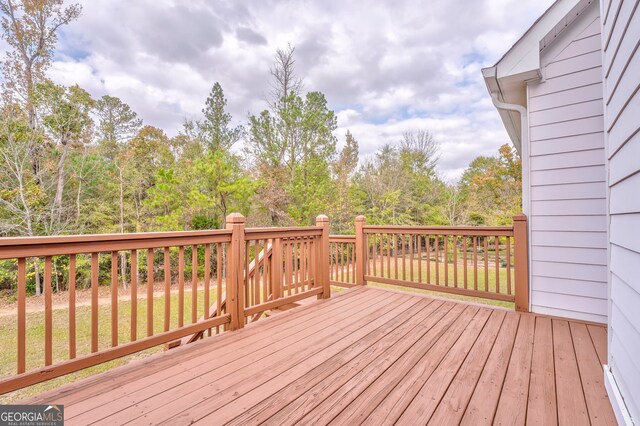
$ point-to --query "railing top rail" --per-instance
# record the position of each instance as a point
(341, 238)
(261, 233)
(12, 248)
(93, 238)
(447, 230)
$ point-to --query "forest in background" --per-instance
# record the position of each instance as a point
(71, 163)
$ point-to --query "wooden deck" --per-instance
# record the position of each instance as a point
(365, 356)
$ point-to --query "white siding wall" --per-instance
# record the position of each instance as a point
(568, 222)
(621, 60)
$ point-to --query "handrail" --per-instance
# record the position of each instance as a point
(441, 230)
(15, 247)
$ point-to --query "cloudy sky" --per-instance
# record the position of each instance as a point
(384, 66)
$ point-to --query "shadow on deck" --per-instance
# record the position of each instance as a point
(368, 356)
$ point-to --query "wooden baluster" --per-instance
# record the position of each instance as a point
(48, 313)
(353, 264)
(332, 263)
(497, 257)
(288, 267)
(437, 247)
(219, 272)
(419, 241)
(374, 256)
(134, 295)
(509, 265)
(265, 265)
(388, 255)
(194, 284)
(180, 286)
(303, 263)
(312, 262)
(94, 302)
(298, 257)
(464, 250)
(446, 259)
(411, 257)
(256, 287)
(382, 255)
(150, 282)
(276, 269)
(395, 254)
(167, 288)
(428, 248)
(475, 262)
(404, 258)
(247, 279)
(22, 314)
(207, 283)
(294, 266)
(114, 299)
(455, 260)
(343, 259)
(72, 306)
(486, 263)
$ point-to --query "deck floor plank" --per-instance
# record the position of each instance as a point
(199, 386)
(599, 339)
(483, 403)
(97, 385)
(367, 356)
(333, 373)
(542, 408)
(598, 405)
(255, 346)
(512, 405)
(254, 408)
(427, 399)
(572, 408)
(389, 410)
(455, 401)
(401, 356)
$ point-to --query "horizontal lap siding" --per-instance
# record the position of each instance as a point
(621, 64)
(568, 182)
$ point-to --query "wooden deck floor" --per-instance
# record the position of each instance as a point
(366, 356)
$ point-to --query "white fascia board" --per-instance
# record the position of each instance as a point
(524, 56)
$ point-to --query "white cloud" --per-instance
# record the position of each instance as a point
(384, 66)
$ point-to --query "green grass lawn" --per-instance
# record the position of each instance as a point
(35, 337)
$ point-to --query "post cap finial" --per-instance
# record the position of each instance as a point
(322, 218)
(235, 218)
(360, 218)
(520, 217)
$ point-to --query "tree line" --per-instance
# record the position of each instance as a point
(71, 163)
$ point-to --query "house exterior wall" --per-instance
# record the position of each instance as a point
(621, 66)
(568, 190)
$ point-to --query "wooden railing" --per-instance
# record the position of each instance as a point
(233, 276)
(478, 261)
(342, 255)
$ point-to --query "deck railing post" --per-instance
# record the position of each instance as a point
(235, 271)
(324, 265)
(360, 248)
(521, 261)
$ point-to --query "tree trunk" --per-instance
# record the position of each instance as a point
(123, 256)
(60, 185)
